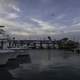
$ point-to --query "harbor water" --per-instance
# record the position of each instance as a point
(45, 65)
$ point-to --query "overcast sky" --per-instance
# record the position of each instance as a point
(40, 17)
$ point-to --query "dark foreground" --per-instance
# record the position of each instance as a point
(44, 65)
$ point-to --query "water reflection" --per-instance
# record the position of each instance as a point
(47, 65)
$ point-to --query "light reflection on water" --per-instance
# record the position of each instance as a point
(49, 65)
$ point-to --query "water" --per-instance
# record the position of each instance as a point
(46, 65)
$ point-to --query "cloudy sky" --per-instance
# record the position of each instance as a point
(40, 17)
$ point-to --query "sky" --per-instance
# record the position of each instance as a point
(40, 17)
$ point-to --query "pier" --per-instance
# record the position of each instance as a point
(38, 44)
